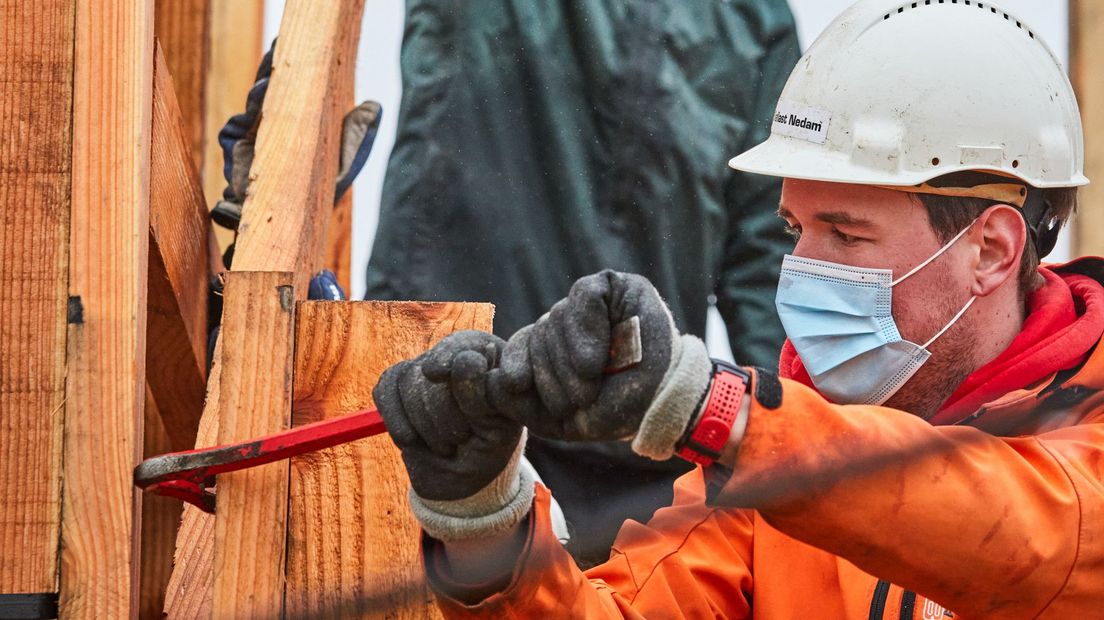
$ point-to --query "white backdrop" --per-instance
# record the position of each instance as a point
(378, 78)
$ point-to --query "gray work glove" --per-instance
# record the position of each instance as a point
(462, 455)
(551, 375)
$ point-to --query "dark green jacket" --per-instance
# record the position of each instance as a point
(541, 141)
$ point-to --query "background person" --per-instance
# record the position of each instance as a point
(542, 141)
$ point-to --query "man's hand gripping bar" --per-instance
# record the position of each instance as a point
(190, 475)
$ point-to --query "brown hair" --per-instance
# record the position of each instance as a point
(950, 214)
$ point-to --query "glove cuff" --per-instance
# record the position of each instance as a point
(494, 509)
(677, 400)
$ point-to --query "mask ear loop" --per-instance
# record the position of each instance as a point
(951, 324)
(936, 255)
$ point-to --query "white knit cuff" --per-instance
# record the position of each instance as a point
(492, 510)
(677, 400)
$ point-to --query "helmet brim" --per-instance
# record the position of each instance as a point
(791, 158)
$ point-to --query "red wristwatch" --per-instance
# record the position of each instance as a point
(704, 443)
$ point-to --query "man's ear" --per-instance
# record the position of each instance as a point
(1000, 237)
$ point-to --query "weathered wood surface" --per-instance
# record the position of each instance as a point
(236, 28)
(339, 235)
(1086, 51)
(183, 27)
(352, 542)
(160, 520)
(254, 400)
(287, 211)
(108, 250)
(176, 345)
(188, 594)
(36, 97)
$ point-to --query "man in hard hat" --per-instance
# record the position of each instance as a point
(932, 445)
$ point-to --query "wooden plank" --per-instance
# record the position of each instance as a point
(109, 245)
(352, 542)
(188, 594)
(176, 345)
(1086, 50)
(254, 400)
(339, 242)
(183, 27)
(160, 520)
(285, 216)
(36, 97)
(235, 31)
(339, 237)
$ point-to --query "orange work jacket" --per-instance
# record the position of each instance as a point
(853, 512)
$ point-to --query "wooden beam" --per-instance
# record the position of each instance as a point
(299, 155)
(352, 542)
(1086, 51)
(188, 595)
(36, 98)
(109, 245)
(254, 400)
(160, 520)
(285, 216)
(339, 242)
(176, 345)
(339, 237)
(183, 27)
(235, 32)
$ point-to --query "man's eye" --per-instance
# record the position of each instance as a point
(793, 231)
(845, 238)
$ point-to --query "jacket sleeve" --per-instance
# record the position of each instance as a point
(755, 240)
(989, 527)
(666, 569)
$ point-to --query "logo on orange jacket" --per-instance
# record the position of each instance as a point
(933, 611)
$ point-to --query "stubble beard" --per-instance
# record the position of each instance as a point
(951, 362)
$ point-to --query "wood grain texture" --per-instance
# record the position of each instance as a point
(339, 242)
(339, 234)
(36, 97)
(1086, 50)
(188, 595)
(235, 32)
(287, 210)
(183, 27)
(160, 520)
(109, 245)
(254, 400)
(352, 542)
(176, 345)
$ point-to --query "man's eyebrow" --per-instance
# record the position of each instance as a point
(844, 219)
(832, 217)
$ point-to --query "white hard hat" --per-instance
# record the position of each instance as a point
(898, 93)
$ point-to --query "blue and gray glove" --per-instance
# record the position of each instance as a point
(238, 138)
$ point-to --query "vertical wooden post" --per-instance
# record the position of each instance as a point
(109, 241)
(352, 542)
(36, 96)
(160, 519)
(339, 236)
(1086, 50)
(235, 32)
(286, 213)
(188, 594)
(255, 400)
(183, 27)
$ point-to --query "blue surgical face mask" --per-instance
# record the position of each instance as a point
(839, 320)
